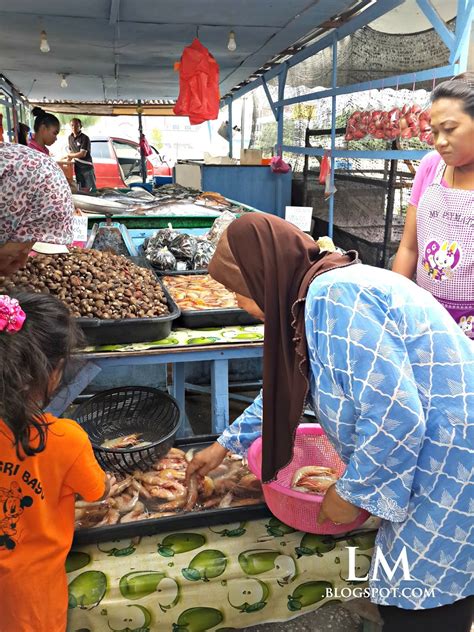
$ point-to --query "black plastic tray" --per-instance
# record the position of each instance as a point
(202, 318)
(142, 252)
(130, 330)
(189, 520)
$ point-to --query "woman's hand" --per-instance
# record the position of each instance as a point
(207, 459)
(336, 508)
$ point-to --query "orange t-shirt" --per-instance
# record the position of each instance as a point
(37, 524)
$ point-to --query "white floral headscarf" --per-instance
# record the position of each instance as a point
(35, 198)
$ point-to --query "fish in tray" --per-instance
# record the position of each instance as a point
(313, 479)
(165, 490)
(198, 292)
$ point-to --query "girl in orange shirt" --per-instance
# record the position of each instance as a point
(44, 463)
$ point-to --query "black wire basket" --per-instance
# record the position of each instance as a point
(119, 412)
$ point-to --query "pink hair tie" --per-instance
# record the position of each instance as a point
(12, 316)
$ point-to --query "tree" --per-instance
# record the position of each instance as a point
(86, 120)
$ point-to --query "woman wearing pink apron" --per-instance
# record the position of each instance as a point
(438, 240)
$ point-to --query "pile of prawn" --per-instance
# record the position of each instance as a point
(200, 291)
(165, 490)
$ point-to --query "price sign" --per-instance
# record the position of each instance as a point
(300, 216)
(80, 227)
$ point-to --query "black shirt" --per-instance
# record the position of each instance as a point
(78, 143)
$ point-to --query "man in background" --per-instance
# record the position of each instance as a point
(80, 152)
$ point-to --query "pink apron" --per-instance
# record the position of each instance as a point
(445, 234)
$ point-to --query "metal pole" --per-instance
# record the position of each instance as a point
(280, 210)
(333, 136)
(305, 169)
(242, 124)
(230, 129)
(140, 131)
(390, 204)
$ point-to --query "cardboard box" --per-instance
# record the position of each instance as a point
(250, 157)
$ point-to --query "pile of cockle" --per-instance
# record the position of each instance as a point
(165, 490)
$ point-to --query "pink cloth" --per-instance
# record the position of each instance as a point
(34, 145)
(425, 175)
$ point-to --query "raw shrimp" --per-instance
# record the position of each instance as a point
(137, 512)
(126, 441)
(120, 486)
(125, 503)
(172, 474)
(226, 500)
(192, 494)
(169, 463)
(313, 479)
(173, 505)
(168, 490)
(111, 517)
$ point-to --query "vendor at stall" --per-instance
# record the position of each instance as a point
(437, 244)
(80, 152)
(391, 379)
(35, 205)
(46, 128)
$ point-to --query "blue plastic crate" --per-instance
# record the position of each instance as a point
(161, 180)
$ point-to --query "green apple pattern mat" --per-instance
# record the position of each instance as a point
(190, 337)
(220, 578)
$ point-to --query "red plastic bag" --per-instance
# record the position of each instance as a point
(278, 165)
(144, 146)
(198, 85)
(324, 169)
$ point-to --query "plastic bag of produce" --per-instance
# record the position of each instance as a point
(184, 247)
(409, 121)
(162, 258)
(357, 125)
(163, 238)
(205, 250)
(426, 134)
(219, 226)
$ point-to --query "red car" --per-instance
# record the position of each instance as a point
(117, 162)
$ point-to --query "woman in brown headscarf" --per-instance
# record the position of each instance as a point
(270, 264)
(387, 372)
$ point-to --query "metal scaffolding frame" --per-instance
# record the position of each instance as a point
(457, 43)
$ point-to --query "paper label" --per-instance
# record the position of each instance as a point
(299, 216)
(79, 227)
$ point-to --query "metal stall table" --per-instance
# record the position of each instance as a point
(177, 351)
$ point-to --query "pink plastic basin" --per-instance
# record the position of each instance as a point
(297, 509)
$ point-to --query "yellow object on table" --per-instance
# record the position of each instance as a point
(218, 578)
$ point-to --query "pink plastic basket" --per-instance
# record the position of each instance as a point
(297, 509)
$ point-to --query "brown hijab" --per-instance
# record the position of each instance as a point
(269, 260)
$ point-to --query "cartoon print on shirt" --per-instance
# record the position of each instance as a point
(12, 505)
(440, 261)
(467, 324)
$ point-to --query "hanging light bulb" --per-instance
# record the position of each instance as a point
(44, 45)
(231, 44)
(63, 81)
